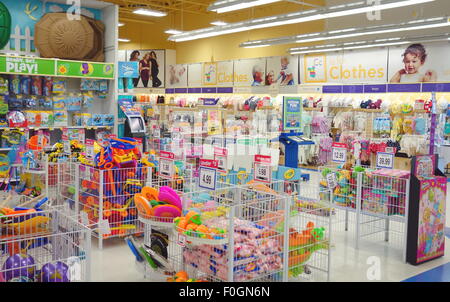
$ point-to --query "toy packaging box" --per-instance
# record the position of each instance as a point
(431, 237)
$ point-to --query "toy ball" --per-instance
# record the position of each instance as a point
(19, 268)
(55, 272)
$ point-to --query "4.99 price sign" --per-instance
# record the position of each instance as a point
(207, 174)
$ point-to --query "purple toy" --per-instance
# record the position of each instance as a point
(19, 268)
(55, 272)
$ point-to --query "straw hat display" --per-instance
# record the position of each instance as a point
(58, 37)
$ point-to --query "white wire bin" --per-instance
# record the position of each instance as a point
(44, 246)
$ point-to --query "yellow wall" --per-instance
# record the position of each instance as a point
(219, 48)
(145, 36)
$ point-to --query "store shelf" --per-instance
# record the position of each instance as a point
(312, 109)
(56, 127)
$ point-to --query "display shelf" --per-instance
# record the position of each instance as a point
(56, 127)
(156, 221)
(190, 240)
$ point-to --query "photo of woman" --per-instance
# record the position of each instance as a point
(414, 58)
(154, 70)
(144, 69)
(151, 67)
(134, 57)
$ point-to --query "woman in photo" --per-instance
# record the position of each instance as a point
(154, 70)
(144, 69)
(134, 57)
(414, 58)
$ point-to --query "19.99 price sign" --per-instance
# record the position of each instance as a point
(385, 160)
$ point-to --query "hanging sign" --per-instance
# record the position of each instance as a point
(207, 174)
(166, 165)
(262, 168)
(220, 154)
(339, 153)
(385, 160)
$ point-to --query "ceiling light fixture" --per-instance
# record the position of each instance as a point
(149, 12)
(219, 23)
(232, 5)
(367, 44)
(173, 32)
(292, 18)
(120, 24)
(123, 40)
(354, 32)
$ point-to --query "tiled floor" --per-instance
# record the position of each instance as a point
(375, 260)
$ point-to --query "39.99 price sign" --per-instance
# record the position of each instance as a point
(385, 160)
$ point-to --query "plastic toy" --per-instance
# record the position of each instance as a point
(162, 203)
(182, 276)
(54, 272)
(302, 245)
(19, 268)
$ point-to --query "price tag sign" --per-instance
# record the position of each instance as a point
(262, 168)
(385, 160)
(166, 165)
(104, 227)
(66, 144)
(82, 135)
(207, 174)
(157, 133)
(220, 154)
(339, 153)
(84, 219)
(90, 149)
(181, 240)
(331, 180)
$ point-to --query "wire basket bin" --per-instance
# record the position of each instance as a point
(310, 228)
(104, 199)
(371, 203)
(257, 251)
(44, 246)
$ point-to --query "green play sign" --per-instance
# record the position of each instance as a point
(52, 67)
(85, 69)
(22, 65)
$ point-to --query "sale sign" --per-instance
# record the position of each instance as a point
(262, 168)
(207, 174)
(166, 165)
(220, 154)
(339, 152)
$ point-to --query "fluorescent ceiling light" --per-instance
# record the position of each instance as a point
(292, 18)
(120, 24)
(256, 46)
(219, 23)
(232, 5)
(368, 44)
(123, 40)
(354, 32)
(149, 12)
(173, 32)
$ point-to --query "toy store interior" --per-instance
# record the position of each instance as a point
(224, 141)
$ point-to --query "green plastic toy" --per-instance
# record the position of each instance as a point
(5, 25)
